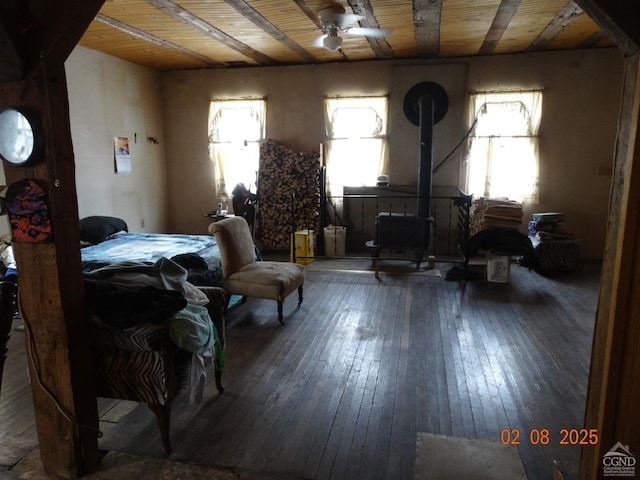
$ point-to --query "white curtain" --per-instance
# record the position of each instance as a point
(236, 128)
(502, 159)
(355, 149)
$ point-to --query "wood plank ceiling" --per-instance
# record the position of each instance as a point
(190, 34)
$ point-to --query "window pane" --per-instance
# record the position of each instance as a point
(356, 123)
(236, 128)
(503, 119)
(511, 167)
(356, 144)
(360, 164)
(502, 158)
(236, 124)
(477, 173)
(240, 163)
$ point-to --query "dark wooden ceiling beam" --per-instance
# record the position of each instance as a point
(11, 67)
(13, 16)
(63, 24)
(501, 21)
(46, 31)
(380, 46)
(147, 37)
(592, 40)
(250, 13)
(309, 13)
(619, 19)
(560, 22)
(178, 13)
(426, 27)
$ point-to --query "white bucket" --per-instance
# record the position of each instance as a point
(334, 241)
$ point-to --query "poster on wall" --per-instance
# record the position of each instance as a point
(122, 155)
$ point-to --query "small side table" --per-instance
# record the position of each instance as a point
(215, 218)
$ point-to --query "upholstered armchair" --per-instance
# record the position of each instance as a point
(143, 364)
(243, 275)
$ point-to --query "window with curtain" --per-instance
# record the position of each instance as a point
(356, 130)
(236, 128)
(502, 160)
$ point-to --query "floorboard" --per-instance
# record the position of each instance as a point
(342, 389)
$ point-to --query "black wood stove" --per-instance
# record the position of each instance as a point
(425, 104)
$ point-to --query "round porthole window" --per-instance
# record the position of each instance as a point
(21, 139)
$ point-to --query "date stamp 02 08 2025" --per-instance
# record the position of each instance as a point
(543, 436)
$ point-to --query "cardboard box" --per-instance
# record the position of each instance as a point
(498, 267)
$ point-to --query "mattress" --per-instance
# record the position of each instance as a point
(150, 247)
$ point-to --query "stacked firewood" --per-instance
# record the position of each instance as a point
(495, 212)
(285, 175)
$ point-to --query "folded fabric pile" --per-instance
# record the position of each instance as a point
(504, 241)
(126, 294)
(491, 212)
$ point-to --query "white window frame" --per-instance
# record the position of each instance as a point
(356, 140)
(236, 129)
(502, 160)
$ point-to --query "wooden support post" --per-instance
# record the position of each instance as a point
(614, 383)
(51, 290)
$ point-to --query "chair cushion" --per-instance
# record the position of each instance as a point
(235, 244)
(272, 280)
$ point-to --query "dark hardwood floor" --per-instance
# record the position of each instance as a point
(341, 390)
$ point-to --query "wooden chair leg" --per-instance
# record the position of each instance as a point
(218, 376)
(280, 313)
(226, 304)
(163, 414)
(299, 295)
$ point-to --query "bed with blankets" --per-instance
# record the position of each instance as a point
(198, 254)
(168, 262)
(140, 282)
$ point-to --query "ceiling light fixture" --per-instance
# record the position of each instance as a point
(332, 41)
